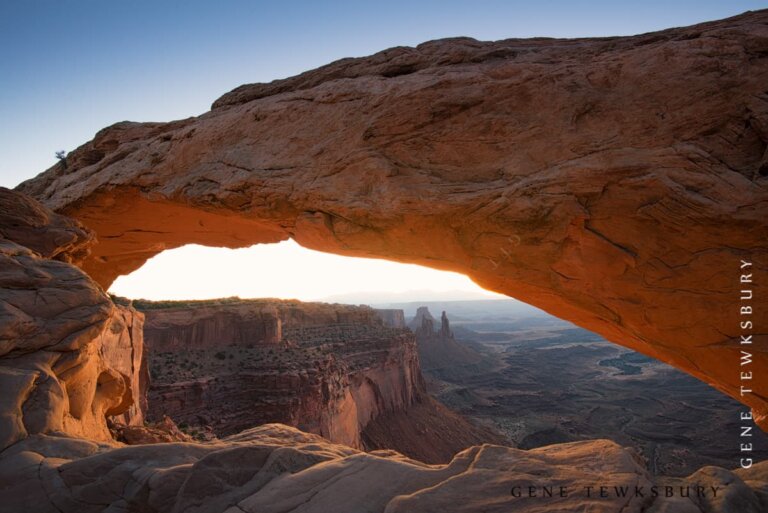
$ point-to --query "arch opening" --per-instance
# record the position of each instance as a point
(286, 270)
(220, 364)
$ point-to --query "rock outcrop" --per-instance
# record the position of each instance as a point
(613, 182)
(29, 224)
(422, 320)
(164, 431)
(439, 353)
(203, 325)
(337, 371)
(69, 357)
(392, 317)
(276, 469)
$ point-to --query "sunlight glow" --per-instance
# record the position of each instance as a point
(287, 270)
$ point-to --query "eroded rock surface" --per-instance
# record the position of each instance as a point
(333, 370)
(615, 182)
(209, 325)
(277, 469)
(29, 224)
(69, 357)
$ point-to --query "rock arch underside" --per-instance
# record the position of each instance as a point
(617, 183)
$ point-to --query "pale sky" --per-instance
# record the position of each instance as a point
(288, 271)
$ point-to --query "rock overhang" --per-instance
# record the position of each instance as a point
(615, 182)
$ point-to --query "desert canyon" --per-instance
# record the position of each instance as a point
(333, 370)
(616, 183)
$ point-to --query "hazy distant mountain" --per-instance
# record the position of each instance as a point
(408, 296)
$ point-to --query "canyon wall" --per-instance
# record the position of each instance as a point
(172, 329)
(205, 324)
(392, 317)
(339, 371)
(336, 370)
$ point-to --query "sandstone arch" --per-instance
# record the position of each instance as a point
(614, 182)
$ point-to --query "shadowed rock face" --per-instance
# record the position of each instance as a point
(616, 183)
(334, 369)
(211, 327)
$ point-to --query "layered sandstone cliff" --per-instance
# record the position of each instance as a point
(392, 317)
(204, 326)
(336, 370)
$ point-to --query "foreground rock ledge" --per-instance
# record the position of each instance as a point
(277, 469)
(613, 182)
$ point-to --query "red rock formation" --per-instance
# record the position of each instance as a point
(69, 357)
(338, 371)
(29, 224)
(275, 468)
(59, 331)
(439, 352)
(243, 324)
(613, 182)
(63, 342)
(394, 318)
(164, 431)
